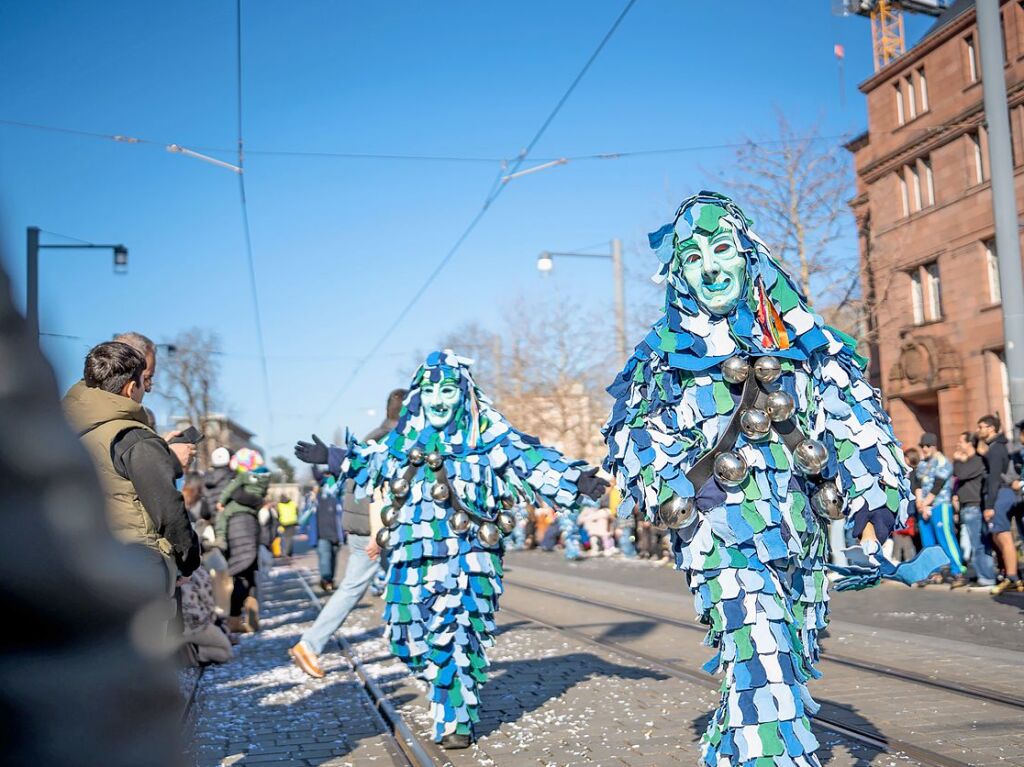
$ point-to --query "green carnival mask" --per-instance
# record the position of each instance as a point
(711, 263)
(441, 400)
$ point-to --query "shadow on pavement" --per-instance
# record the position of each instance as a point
(519, 686)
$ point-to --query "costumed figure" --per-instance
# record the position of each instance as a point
(454, 469)
(743, 424)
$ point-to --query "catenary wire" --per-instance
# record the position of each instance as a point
(496, 189)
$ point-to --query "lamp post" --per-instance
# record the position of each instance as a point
(32, 269)
(545, 263)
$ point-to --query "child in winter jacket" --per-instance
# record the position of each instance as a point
(243, 495)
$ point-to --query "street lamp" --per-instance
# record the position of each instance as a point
(546, 262)
(32, 269)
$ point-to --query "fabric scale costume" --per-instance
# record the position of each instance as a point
(454, 469)
(744, 424)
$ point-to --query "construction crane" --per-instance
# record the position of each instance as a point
(888, 41)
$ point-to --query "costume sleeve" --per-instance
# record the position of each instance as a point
(654, 435)
(368, 466)
(536, 470)
(865, 458)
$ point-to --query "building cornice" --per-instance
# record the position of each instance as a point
(919, 51)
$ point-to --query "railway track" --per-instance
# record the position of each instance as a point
(828, 657)
(409, 750)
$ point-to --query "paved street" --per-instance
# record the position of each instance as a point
(576, 683)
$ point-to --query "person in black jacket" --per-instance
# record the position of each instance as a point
(361, 566)
(969, 471)
(328, 536)
(1000, 500)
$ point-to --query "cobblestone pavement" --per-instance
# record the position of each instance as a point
(259, 709)
(555, 699)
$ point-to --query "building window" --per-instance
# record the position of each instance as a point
(911, 96)
(900, 116)
(974, 139)
(922, 83)
(934, 291)
(904, 194)
(926, 293)
(929, 181)
(972, 59)
(992, 267)
(915, 186)
(917, 296)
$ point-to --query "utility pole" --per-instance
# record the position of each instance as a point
(1004, 201)
(620, 301)
(32, 280)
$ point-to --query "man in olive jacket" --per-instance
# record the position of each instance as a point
(137, 469)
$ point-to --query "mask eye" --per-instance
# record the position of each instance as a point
(721, 247)
(691, 258)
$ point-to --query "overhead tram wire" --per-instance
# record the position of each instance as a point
(496, 189)
(409, 157)
(247, 231)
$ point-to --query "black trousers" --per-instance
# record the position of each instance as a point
(244, 583)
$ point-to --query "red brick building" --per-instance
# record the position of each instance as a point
(924, 215)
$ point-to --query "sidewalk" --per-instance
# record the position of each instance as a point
(259, 709)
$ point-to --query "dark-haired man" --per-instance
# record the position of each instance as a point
(136, 467)
(999, 501)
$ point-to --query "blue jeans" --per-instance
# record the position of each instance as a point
(358, 574)
(327, 555)
(981, 556)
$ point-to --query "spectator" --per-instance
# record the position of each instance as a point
(288, 518)
(239, 534)
(137, 468)
(969, 471)
(361, 568)
(597, 521)
(147, 348)
(218, 477)
(999, 500)
(935, 506)
(328, 534)
(202, 630)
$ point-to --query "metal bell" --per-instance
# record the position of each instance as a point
(730, 469)
(780, 406)
(506, 522)
(828, 501)
(488, 534)
(400, 488)
(459, 522)
(416, 456)
(440, 492)
(389, 517)
(434, 460)
(810, 456)
(674, 512)
(383, 538)
(735, 370)
(767, 369)
(755, 424)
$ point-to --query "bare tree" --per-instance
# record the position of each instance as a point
(795, 187)
(285, 471)
(188, 380)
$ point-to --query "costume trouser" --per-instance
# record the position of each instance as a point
(938, 530)
(440, 615)
(764, 619)
(327, 557)
(981, 555)
(359, 571)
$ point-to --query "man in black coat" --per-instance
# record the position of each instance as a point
(1000, 501)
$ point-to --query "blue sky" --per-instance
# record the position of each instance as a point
(340, 245)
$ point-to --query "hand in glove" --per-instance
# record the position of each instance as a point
(311, 452)
(592, 485)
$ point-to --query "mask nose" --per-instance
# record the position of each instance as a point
(708, 266)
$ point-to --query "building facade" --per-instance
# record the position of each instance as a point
(924, 216)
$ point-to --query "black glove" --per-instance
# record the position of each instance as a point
(592, 485)
(315, 452)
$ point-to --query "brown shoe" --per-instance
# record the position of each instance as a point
(252, 612)
(238, 626)
(306, 660)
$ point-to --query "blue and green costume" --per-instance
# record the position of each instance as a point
(755, 551)
(443, 585)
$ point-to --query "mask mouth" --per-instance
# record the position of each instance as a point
(439, 411)
(717, 287)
